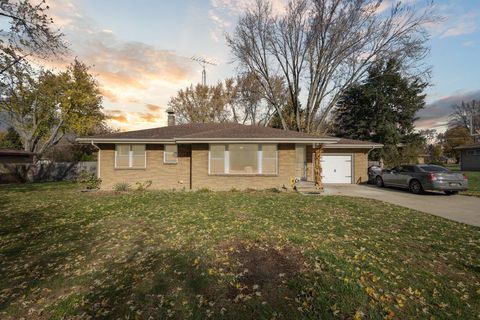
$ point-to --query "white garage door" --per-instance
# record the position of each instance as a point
(336, 168)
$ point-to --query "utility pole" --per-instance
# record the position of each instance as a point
(203, 62)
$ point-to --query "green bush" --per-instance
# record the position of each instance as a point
(142, 186)
(88, 180)
(121, 186)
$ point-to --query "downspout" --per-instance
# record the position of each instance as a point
(98, 158)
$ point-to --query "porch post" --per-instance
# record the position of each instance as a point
(318, 167)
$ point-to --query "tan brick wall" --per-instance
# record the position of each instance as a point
(162, 175)
(360, 158)
(201, 178)
(176, 176)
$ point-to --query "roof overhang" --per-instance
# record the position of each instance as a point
(354, 146)
(467, 147)
(110, 140)
(257, 140)
(17, 153)
(204, 140)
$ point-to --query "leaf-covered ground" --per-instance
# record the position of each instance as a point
(473, 183)
(473, 180)
(232, 255)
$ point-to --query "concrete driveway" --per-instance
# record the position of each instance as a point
(458, 208)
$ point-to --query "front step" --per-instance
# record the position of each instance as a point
(307, 187)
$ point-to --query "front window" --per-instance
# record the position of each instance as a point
(243, 159)
(130, 156)
(170, 154)
(217, 158)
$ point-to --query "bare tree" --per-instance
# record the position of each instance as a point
(250, 102)
(462, 114)
(30, 33)
(322, 47)
(236, 100)
(200, 104)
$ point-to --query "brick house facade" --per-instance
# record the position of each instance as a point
(222, 157)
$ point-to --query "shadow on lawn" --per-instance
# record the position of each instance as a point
(173, 283)
(36, 251)
(54, 269)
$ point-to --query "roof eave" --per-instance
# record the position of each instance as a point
(20, 154)
(467, 147)
(358, 146)
(203, 140)
(257, 140)
(122, 140)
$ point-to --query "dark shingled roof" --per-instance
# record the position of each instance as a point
(209, 131)
(11, 152)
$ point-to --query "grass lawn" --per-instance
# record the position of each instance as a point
(232, 255)
(473, 180)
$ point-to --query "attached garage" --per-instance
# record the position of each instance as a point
(346, 161)
(337, 168)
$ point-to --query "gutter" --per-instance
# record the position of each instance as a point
(260, 140)
(215, 140)
(358, 146)
(109, 140)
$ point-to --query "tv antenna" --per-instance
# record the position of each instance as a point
(203, 62)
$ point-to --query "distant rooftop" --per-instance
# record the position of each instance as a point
(12, 152)
(469, 146)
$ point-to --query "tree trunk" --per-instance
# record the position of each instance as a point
(318, 167)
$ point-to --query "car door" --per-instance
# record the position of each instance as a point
(389, 176)
(402, 178)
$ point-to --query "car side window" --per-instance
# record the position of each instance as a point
(408, 169)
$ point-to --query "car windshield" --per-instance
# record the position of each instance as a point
(434, 169)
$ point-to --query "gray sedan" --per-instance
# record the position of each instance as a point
(421, 177)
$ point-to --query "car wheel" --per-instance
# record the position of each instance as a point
(416, 187)
(379, 182)
(451, 193)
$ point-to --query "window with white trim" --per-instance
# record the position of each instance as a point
(130, 156)
(243, 159)
(170, 153)
(217, 158)
(475, 152)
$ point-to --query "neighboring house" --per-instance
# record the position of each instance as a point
(422, 158)
(469, 157)
(223, 156)
(8, 156)
(13, 164)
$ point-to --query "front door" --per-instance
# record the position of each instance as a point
(301, 161)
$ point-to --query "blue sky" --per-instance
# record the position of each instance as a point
(140, 51)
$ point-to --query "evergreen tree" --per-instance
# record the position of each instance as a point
(10, 139)
(381, 109)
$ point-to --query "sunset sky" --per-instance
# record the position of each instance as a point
(140, 52)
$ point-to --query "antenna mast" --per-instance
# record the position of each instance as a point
(203, 62)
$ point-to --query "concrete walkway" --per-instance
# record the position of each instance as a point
(458, 208)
